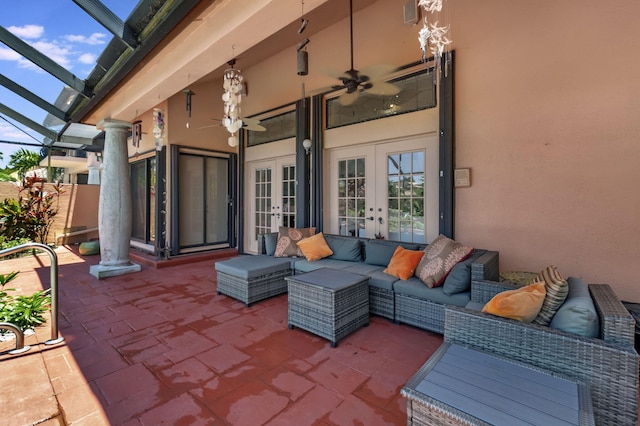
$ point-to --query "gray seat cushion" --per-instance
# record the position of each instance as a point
(377, 278)
(459, 279)
(577, 314)
(270, 242)
(344, 248)
(246, 267)
(307, 266)
(379, 252)
(416, 288)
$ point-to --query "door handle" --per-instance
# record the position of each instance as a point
(380, 219)
(370, 218)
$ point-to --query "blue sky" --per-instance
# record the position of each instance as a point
(61, 30)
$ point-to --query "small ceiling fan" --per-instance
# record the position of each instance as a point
(250, 124)
(370, 78)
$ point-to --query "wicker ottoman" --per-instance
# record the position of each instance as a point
(252, 278)
(329, 303)
(462, 386)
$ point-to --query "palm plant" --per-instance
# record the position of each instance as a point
(23, 161)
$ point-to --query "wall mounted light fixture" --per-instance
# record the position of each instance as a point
(306, 144)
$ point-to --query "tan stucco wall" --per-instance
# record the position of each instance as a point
(77, 208)
(547, 106)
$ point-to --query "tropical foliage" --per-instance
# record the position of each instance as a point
(22, 311)
(31, 215)
(23, 161)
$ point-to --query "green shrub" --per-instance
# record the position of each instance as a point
(5, 244)
(22, 311)
(31, 215)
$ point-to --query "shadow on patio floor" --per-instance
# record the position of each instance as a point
(161, 347)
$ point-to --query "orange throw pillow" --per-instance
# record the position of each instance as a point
(522, 304)
(403, 263)
(314, 247)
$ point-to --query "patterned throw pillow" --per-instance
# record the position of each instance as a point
(287, 239)
(439, 258)
(557, 290)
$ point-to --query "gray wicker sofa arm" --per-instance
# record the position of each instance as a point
(616, 323)
(610, 369)
(486, 267)
(482, 290)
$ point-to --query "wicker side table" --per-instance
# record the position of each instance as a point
(252, 278)
(462, 386)
(329, 303)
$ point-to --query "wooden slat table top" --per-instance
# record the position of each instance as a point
(499, 392)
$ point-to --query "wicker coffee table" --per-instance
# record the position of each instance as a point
(328, 303)
(461, 386)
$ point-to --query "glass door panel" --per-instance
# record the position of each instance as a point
(405, 197)
(387, 190)
(263, 202)
(203, 201)
(191, 200)
(143, 200)
(217, 201)
(271, 199)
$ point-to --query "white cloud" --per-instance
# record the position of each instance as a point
(27, 31)
(93, 39)
(87, 58)
(54, 51)
(7, 54)
(10, 133)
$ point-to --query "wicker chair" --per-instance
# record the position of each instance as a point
(608, 364)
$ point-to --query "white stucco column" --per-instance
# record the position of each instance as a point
(114, 211)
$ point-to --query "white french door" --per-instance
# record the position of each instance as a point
(388, 190)
(271, 198)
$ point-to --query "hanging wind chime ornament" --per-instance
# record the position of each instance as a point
(188, 94)
(432, 35)
(232, 98)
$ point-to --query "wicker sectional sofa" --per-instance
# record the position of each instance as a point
(403, 301)
(607, 363)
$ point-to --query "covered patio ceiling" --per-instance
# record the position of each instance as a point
(161, 48)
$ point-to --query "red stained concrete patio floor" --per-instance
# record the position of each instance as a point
(161, 347)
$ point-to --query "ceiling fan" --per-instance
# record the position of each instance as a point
(370, 78)
(250, 124)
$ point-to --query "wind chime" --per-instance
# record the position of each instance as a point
(433, 36)
(188, 94)
(232, 98)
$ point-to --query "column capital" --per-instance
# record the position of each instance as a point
(111, 123)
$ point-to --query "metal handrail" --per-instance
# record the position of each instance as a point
(53, 270)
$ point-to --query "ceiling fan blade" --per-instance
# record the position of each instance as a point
(348, 98)
(378, 72)
(250, 121)
(254, 127)
(210, 125)
(383, 88)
